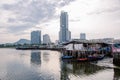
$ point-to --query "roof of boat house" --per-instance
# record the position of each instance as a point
(84, 42)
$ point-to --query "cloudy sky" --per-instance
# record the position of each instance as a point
(96, 18)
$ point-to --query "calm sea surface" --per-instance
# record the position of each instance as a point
(47, 65)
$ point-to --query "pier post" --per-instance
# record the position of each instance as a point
(116, 58)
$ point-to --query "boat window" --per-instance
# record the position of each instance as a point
(117, 45)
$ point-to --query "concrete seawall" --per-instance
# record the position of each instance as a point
(55, 49)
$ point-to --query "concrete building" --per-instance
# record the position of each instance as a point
(46, 39)
(82, 36)
(36, 37)
(106, 40)
(64, 33)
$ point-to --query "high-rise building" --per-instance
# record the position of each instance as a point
(64, 33)
(82, 36)
(46, 39)
(36, 37)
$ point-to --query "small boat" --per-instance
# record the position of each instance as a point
(92, 58)
(100, 57)
(67, 57)
(82, 59)
(95, 58)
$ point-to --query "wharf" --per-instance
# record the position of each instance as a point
(116, 58)
(38, 48)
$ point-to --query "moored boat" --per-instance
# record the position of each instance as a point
(95, 58)
(82, 59)
(100, 57)
(67, 57)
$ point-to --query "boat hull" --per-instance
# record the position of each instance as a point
(67, 57)
(82, 59)
(95, 58)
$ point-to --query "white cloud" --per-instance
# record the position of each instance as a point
(22, 15)
(97, 18)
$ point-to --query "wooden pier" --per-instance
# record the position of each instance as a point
(116, 54)
(86, 49)
(116, 59)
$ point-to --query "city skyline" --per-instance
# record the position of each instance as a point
(46, 39)
(64, 33)
(82, 36)
(36, 37)
(96, 18)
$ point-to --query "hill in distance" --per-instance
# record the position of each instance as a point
(22, 41)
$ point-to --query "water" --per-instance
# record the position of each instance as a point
(47, 65)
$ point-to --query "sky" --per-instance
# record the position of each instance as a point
(96, 18)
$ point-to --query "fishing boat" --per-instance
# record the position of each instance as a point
(67, 57)
(95, 57)
(100, 57)
(82, 59)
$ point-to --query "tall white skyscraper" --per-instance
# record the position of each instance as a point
(46, 39)
(36, 37)
(82, 36)
(64, 33)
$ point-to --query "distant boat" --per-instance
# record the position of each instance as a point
(67, 57)
(82, 59)
(89, 58)
(100, 57)
(94, 58)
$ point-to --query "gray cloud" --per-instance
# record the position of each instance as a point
(101, 11)
(74, 20)
(10, 20)
(64, 2)
(18, 28)
(107, 6)
(32, 12)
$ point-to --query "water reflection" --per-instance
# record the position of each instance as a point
(116, 74)
(46, 56)
(78, 69)
(26, 67)
(16, 71)
(36, 57)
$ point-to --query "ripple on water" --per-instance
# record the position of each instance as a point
(46, 65)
